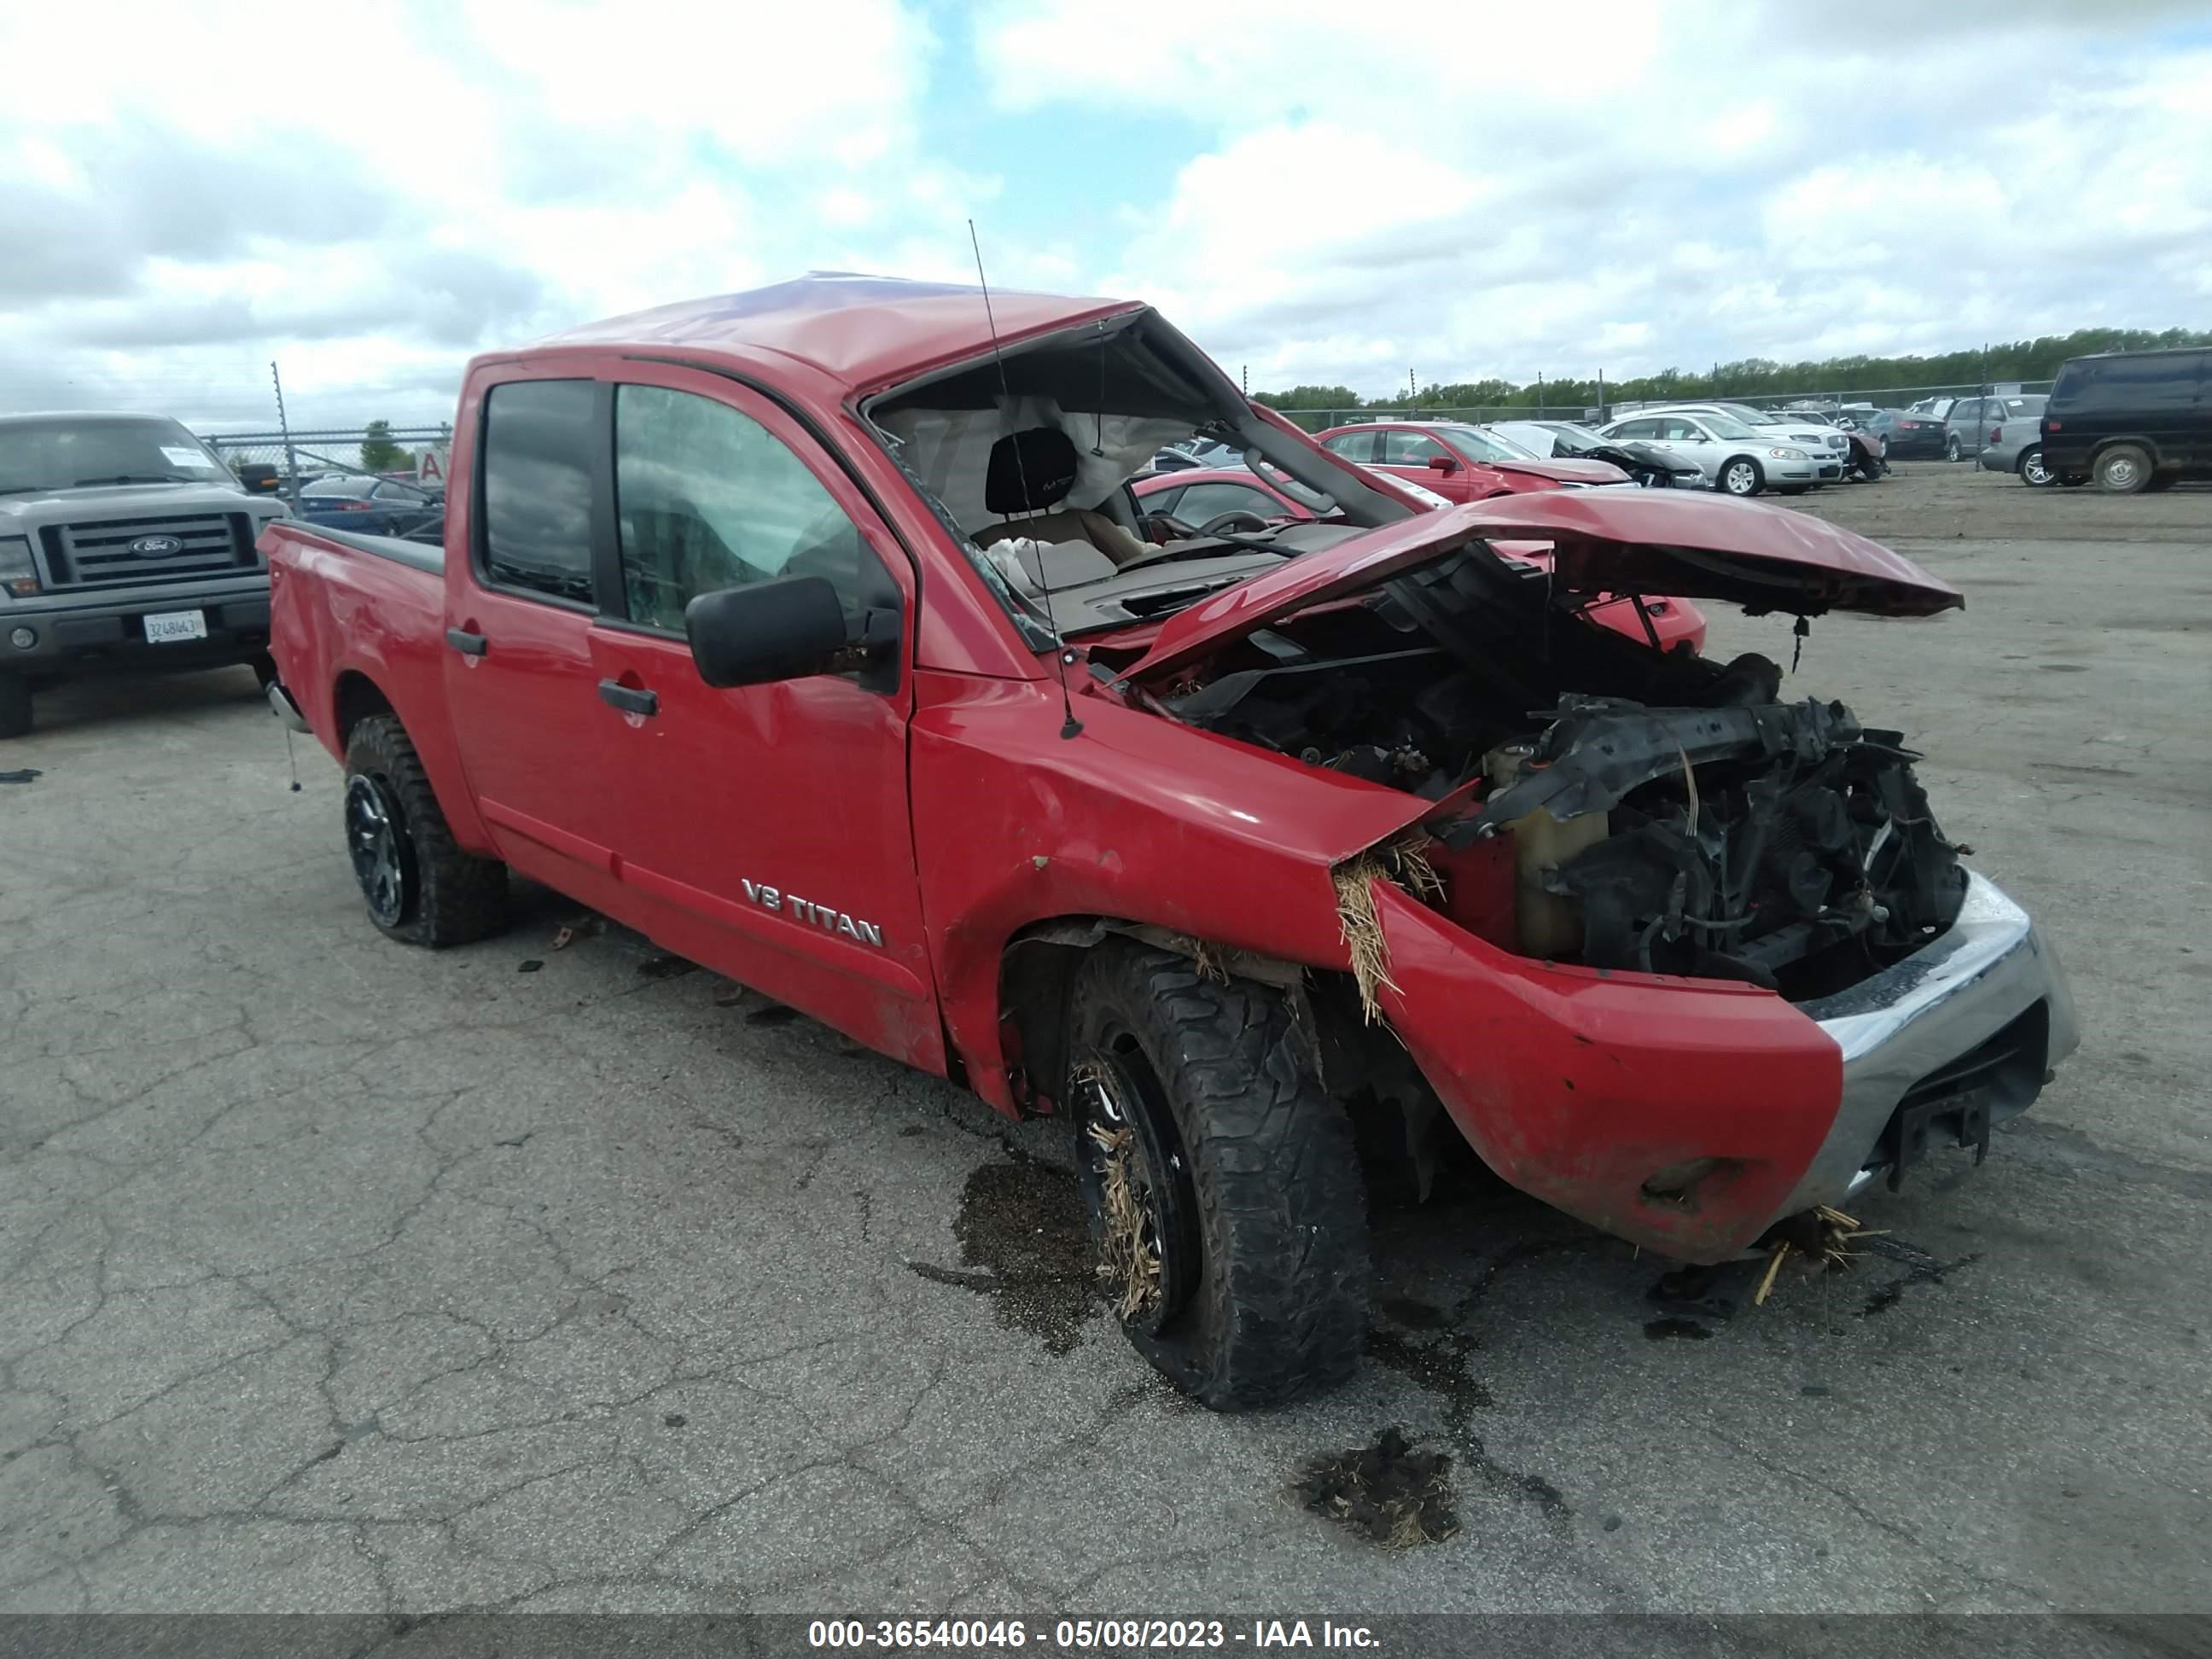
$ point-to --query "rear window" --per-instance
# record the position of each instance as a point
(537, 487)
(2152, 381)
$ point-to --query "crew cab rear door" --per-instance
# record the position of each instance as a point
(764, 828)
(536, 742)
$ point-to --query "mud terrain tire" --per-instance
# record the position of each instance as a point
(1268, 1203)
(421, 888)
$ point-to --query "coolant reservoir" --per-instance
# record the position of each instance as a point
(1549, 925)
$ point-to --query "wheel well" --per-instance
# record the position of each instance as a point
(1037, 964)
(356, 698)
(2144, 444)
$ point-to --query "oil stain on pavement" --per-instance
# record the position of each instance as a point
(1026, 1244)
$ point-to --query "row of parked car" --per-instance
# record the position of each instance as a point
(2127, 420)
(1730, 448)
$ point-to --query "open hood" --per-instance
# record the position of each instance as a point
(1611, 541)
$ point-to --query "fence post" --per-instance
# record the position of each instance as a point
(284, 428)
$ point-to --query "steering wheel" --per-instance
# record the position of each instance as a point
(1237, 518)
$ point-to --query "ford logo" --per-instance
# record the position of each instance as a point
(156, 547)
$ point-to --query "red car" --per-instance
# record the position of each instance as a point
(1462, 463)
(1201, 497)
(772, 626)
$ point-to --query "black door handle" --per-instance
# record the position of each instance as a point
(630, 699)
(468, 644)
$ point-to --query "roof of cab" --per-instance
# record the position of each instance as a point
(866, 331)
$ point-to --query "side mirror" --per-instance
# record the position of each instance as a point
(257, 477)
(786, 630)
(1443, 463)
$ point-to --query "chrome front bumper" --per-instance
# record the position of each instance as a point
(1992, 971)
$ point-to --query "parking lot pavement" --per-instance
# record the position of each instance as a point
(335, 1275)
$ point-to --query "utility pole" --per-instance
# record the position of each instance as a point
(1540, 394)
(284, 427)
(1413, 391)
(1601, 394)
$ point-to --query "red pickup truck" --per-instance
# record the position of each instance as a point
(810, 632)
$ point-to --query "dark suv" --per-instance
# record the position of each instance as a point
(2131, 420)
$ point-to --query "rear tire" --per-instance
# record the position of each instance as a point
(15, 705)
(1953, 449)
(421, 888)
(2122, 470)
(1244, 1174)
(264, 669)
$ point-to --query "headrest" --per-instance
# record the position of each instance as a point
(1029, 472)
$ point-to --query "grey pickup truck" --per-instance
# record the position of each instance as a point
(126, 545)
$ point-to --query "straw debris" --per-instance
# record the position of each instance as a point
(1128, 1266)
(1388, 1493)
(1404, 863)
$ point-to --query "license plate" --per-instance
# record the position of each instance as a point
(165, 626)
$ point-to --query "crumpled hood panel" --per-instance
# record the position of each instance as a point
(1620, 541)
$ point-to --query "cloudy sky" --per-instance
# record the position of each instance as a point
(1317, 191)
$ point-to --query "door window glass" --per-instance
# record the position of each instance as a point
(1352, 445)
(708, 498)
(537, 487)
(1410, 449)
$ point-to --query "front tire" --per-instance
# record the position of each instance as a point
(2034, 473)
(1742, 478)
(420, 887)
(2122, 470)
(1223, 1184)
(15, 705)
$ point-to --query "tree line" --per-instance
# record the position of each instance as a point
(1754, 377)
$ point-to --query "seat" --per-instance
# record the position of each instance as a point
(1030, 473)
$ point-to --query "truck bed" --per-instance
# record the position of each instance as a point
(421, 556)
(357, 624)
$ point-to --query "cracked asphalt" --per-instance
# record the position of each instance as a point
(335, 1276)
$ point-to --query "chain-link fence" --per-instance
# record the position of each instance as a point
(330, 453)
(301, 457)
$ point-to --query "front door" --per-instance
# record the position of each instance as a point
(765, 830)
(534, 738)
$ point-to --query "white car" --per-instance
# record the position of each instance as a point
(1824, 441)
(1739, 459)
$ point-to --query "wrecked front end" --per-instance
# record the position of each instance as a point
(1675, 955)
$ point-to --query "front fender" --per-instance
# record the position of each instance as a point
(1135, 817)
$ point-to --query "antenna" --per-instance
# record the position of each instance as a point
(1071, 727)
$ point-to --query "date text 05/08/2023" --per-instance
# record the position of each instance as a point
(1088, 1635)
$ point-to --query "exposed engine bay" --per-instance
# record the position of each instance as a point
(1666, 814)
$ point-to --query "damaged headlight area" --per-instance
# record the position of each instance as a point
(1666, 814)
(1779, 844)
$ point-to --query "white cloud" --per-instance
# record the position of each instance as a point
(1632, 187)
(399, 192)
(1463, 192)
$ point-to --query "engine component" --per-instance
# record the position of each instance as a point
(1547, 924)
